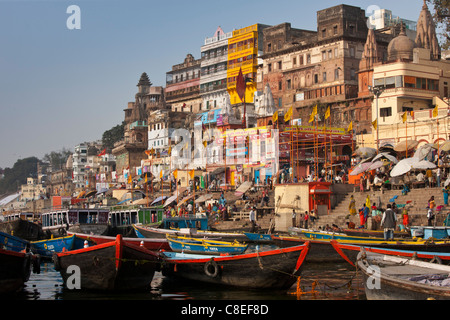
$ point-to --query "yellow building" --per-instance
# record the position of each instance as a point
(244, 47)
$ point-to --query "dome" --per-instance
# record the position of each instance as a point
(401, 47)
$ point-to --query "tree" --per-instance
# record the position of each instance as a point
(18, 174)
(112, 136)
(441, 18)
(57, 159)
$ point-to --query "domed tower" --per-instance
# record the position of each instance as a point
(401, 47)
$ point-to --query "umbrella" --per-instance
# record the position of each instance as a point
(170, 200)
(366, 152)
(90, 193)
(204, 198)
(410, 144)
(445, 146)
(158, 200)
(403, 166)
(375, 165)
(424, 151)
(360, 168)
(386, 156)
(424, 164)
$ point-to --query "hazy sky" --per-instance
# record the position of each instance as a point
(60, 87)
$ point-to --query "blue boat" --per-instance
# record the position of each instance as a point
(325, 235)
(13, 243)
(46, 248)
(258, 237)
(205, 246)
(426, 232)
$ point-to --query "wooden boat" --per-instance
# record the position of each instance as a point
(46, 248)
(82, 220)
(272, 269)
(322, 250)
(327, 235)
(10, 242)
(24, 229)
(205, 246)
(151, 244)
(15, 270)
(111, 266)
(374, 233)
(427, 232)
(396, 278)
(349, 252)
(156, 232)
(258, 237)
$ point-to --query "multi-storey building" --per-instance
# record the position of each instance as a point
(79, 160)
(213, 78)
(182, 90)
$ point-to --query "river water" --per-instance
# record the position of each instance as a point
(325, 281)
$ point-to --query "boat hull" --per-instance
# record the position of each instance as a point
(113, 266)
(274, 269)
(15, 270)
(152, 232)
(46, 248)
(392, 280)
(23, 229)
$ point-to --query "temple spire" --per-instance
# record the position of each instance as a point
(426, 33)
(371, 52)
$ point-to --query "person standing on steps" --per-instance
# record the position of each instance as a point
(388, 222)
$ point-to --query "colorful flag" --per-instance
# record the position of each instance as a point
(312, 117)
(102, 153)
(375, 124)
(405, 117)
(435, 112)
(350, 127)
(328, 113)
(191, 173)
(161, 174)
(175, 173)
(288, 115)
(240, 85)
(275, 116)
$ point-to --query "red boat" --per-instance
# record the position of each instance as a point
(111, 266)
(273, 269)
(349, 252)
(148, 243)
(15, 270)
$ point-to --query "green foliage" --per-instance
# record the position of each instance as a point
(57, 159)
(18, 174)
(441, 16)
(112, 136)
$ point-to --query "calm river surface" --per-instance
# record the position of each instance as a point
(331, 281)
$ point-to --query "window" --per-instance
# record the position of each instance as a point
(324, 33)
(352, 51)
(335, 30)
(336, 74)
(288, 84)
(294, 61)
(280, 85)
(270, 67)
(352, 74)
(324, 76)
(279, 65)
(330, 54)
(316, 78)
(301, 59)
(308, 58)
(386, 112)
(336, 52)
(324, 55)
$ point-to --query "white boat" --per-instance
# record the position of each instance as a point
(389, 277)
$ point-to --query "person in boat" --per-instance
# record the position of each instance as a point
(305, 219)
(350, 225)
(388, 222)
